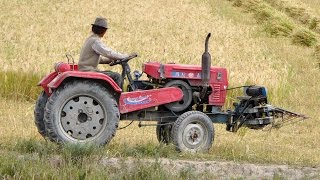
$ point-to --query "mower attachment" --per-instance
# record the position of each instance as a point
(286, 117)
(253, 111)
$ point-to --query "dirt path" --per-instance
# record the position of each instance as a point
(225, 170)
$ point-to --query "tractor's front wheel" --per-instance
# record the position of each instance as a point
(81, 112)
(193, 132)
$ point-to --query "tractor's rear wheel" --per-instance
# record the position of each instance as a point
(193, 132)
(39, 113)
(81, 112)
(163, 132)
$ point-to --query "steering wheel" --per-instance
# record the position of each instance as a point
(123, 60)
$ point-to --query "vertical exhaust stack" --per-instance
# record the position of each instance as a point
(206, 66)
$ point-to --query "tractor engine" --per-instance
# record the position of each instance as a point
(188, 78)
(204, 86)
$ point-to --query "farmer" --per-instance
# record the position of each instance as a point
(95, 52)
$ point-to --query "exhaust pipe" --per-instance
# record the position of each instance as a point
(205, 66)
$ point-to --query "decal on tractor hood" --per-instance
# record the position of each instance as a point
(138, 100)
(184, 74)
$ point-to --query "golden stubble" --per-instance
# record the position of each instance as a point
(35, 34)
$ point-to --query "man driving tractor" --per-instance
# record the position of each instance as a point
(95, 52)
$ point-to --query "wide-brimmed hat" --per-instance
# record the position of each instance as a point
(101, 22)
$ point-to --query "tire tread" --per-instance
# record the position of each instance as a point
(112, 122)
(178, 123)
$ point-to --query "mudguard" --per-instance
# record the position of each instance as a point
(138, 100)
(46, 80)
(53, 80)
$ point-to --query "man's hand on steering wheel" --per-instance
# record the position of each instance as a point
(133, 55)
(120, 61)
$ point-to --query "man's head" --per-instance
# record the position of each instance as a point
(100, 26)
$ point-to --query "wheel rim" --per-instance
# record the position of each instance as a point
(82, 117)
(194, 135)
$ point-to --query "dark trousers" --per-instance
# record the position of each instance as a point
(115, 76)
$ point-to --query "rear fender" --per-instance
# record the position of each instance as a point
(46, 80)
(61, 77)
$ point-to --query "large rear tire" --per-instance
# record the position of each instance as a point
(39, 113)
(81, 112)
(193, 132)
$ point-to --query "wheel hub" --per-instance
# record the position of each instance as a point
(193, 136)
(82, 118)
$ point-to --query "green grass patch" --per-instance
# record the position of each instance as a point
(315, 25)
(143, 150)
(273, 21)
(33, 167)
(19, 85)
(304, 37)
(71, 153)
(12, 167)
(79, 154)
(278, 27)
(299, 12)
(278, 21)
(32, 159)
(141, 171)
(29, 146)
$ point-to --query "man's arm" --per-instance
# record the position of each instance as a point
(104, 60)
(107, 52)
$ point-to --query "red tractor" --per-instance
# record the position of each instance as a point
(184, 100)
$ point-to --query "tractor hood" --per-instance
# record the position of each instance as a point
(183, 71)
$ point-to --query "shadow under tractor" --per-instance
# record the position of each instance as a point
(184, 100)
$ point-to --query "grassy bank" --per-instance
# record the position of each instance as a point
(284, 18)
(33, 159)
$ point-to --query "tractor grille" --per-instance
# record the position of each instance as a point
(216, 93)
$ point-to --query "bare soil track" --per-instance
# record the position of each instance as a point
(223, 170)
